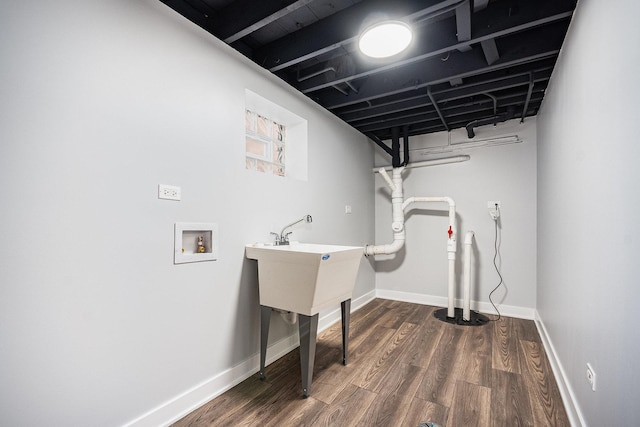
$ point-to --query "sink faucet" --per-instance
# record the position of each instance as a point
(283, 238)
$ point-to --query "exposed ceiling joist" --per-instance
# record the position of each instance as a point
(243, 17)
(529, 48)
(434, 41)
(470, 60)
(490, 50)
(339, 30)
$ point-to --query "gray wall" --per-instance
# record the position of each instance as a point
(506, 173)
(101, 102)
(588, 210)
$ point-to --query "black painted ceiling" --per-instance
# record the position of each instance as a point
(471, 62)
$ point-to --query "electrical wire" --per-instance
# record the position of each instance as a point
(496, 265)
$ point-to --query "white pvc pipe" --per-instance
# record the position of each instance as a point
(385, 175)
(451, 246)
(466, 304)
(432, 162)
(398, 206)
(397, 224)
(451, 306)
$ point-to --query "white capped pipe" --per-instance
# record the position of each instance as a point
(466, 304)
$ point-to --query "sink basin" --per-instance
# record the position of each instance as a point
(305, 277)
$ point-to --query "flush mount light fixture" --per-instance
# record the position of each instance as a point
(385, 39)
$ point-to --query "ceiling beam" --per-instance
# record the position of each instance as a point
(199, 16)
(439, 40)
(490, 50)
(488, 82)
(529, 47)
(431, 116)
(242, 17)
(463, 24)
(435, 107)
(451, 110)
(526, 103)
(478, 5)
(434, 125)
(338, 30)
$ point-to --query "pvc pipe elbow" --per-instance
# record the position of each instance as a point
(389, 249)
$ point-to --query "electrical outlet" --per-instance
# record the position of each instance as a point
(591, 377)
(347, 209)
(494, 209)
(168, 192)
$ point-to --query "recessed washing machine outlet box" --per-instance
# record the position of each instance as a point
(195, 241)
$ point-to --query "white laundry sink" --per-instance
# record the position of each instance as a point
(305, 277)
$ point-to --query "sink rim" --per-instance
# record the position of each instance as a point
(313, 248)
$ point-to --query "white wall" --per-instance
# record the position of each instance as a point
(588, 210)
(505, 173)
(101, 102)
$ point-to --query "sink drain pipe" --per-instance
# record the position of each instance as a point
(398, 207)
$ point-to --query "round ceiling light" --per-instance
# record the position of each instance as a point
(385, 39)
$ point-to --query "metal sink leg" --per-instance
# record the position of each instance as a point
(308, 328)
(265, 320)
(346, 315)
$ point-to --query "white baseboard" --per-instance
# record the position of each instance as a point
(190, 400)
(482, 307)
(568, 397)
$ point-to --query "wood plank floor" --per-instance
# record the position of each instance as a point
(405, 367)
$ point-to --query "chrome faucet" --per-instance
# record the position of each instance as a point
(283, 238)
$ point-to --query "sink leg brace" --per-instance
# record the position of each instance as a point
(308, 330)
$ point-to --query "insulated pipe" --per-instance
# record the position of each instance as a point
(466, 304)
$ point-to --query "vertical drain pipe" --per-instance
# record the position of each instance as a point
(397, 224)
(451, 246)
(466, 304)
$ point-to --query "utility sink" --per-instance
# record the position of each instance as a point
(305, 277)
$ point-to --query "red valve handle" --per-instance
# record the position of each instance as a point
(450, 231)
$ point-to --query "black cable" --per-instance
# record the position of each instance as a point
(496, 266)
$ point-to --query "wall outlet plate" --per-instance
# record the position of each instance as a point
(169, 192)
(493, 212)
